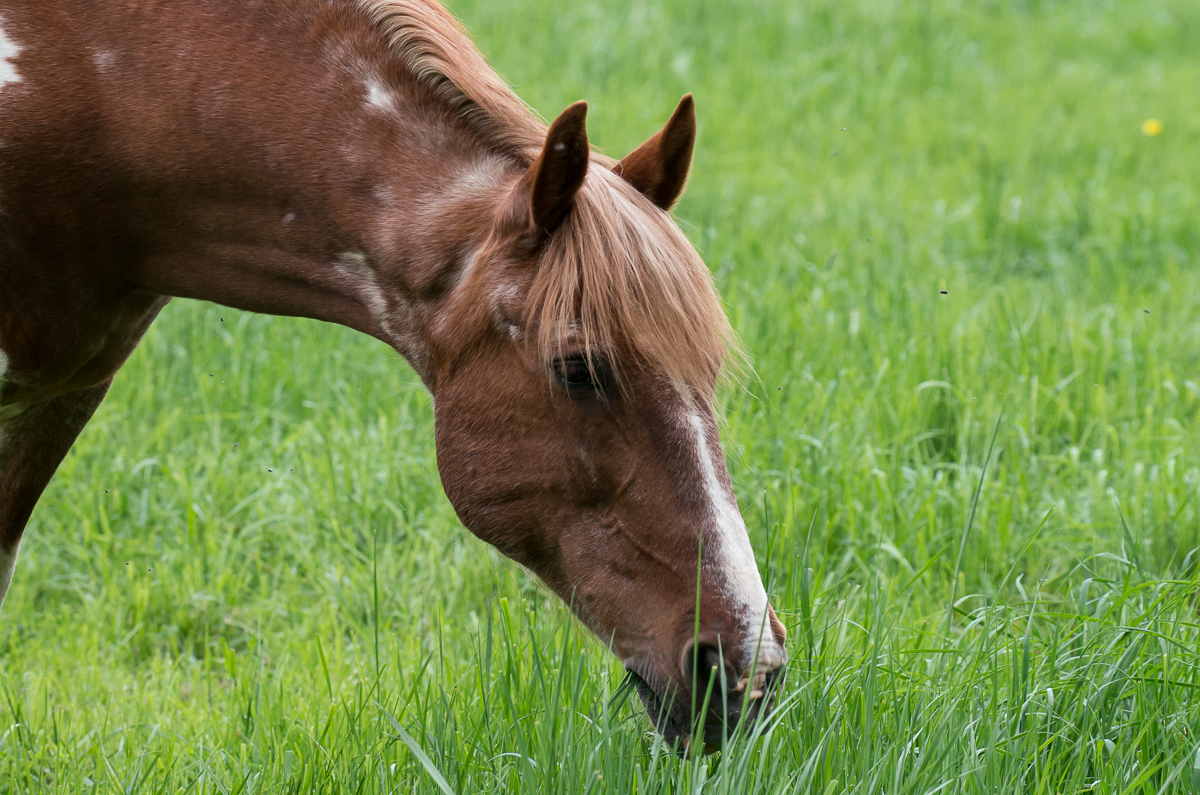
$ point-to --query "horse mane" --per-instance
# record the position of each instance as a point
(618, 272)
(436, 49)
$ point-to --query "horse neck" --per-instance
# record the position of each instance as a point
(309, 183)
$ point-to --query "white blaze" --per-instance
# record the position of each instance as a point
(734, 556)
(9, 50)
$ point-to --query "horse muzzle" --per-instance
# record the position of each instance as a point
(710, 700)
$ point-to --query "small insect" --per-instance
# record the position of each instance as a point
(945, 293)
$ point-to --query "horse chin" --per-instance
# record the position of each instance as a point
(662, 717)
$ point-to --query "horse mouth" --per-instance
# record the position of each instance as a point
(661, 714)
(671, 722)
(663, 717)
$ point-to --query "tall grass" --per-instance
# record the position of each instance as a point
(931, 222)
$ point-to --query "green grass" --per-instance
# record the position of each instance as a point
(245, 577)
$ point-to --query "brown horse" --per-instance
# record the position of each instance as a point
(356, 161)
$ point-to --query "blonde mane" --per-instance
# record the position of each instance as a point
(618, 273)
(436, 49)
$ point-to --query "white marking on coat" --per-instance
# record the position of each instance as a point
(104, 59)
(353, 264)
(9, 50)
(8, 562)
(475, 180)
(735, 557)
(479, 178)
(379, 96)
(287, 219)
(354, 260)
(466, 266)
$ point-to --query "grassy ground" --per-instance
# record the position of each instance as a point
(930, 220)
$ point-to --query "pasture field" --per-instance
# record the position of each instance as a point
(930, 222)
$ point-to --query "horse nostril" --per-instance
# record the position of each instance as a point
(705, 668)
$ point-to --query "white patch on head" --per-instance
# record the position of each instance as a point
(8, 562)
(380, 96)
(287, 219)
(9, 50)
(735, 559)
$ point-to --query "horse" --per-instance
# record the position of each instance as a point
(358, 162)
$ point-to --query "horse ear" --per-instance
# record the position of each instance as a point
(556, 176)
(659, 168)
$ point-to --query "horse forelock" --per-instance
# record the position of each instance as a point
(621, 279)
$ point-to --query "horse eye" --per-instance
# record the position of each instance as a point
(578, 378)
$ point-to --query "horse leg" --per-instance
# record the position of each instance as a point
(32, 444)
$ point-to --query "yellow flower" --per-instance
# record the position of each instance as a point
(1152, 127)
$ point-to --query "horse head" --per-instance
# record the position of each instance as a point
(575, 426)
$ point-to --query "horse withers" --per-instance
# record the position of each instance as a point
(356, 161)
